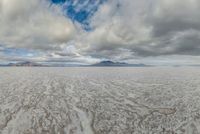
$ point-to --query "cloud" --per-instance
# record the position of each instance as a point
(175, 16)
(117, 30)
(128, 30)
(33, 24)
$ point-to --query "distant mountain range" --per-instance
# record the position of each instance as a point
(25, 64)
(117, 64)
(100, 64)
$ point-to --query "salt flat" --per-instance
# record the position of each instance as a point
(99, 100)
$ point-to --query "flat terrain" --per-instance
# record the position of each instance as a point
(99, 100)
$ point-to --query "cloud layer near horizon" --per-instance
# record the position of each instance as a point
(128, 30)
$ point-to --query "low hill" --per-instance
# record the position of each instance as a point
(118, 64)
(25, 63)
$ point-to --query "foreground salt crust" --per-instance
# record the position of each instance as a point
(99, 100)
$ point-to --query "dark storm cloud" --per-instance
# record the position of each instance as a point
(164, 27)
(174, 16)
(175, 29)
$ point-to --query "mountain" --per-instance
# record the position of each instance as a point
(109, 63)
(117, 64)
(26, 64)
(100, 64)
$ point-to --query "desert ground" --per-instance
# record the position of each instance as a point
(92, 100)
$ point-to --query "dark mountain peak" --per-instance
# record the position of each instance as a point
(120, 64)
(24, 63)
(107, 62)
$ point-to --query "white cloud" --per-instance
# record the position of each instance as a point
(33, 24)
(117, 28)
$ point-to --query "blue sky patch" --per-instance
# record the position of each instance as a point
(80, 10)
(58, 1)
(19, 52)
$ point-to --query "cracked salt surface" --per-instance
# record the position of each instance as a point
(99, 100)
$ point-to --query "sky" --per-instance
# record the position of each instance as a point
(154, 32)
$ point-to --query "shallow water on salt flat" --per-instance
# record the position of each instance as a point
(99, 100)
